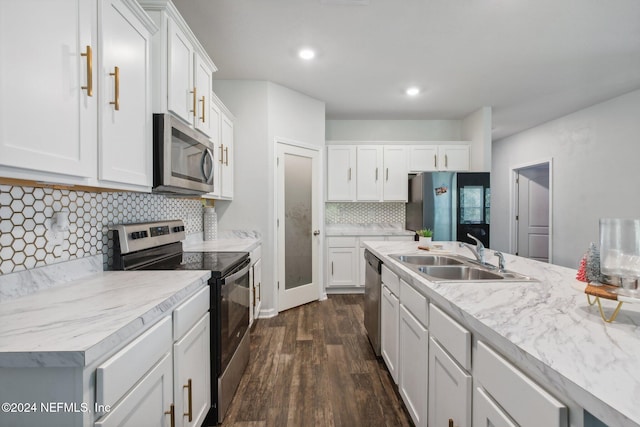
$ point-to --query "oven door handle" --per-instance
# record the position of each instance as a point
(238, 274)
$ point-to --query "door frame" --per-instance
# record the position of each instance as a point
(513, 224)
(319, 275)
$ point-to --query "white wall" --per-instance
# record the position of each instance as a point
(476, 128)
(596, 172)
(393, 130)
(263, 110)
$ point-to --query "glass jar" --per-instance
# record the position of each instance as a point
(620, 251)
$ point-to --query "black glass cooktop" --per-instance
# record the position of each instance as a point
(219, 264)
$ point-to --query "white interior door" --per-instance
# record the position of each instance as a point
(533, 213)
(298, 175)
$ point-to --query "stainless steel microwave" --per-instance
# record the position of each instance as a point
(182, 158)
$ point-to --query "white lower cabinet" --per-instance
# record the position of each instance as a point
(342, 262)
(524, 401)
(413, 366)
(487, 413)
(148, 403)
(449, 390)
(163, 377)
(191, 373)
(389, 330)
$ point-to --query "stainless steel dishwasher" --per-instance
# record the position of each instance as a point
(372, 292)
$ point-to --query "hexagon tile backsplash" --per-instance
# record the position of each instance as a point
(25, 213)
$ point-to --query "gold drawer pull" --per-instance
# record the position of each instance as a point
(89, 55)
(116, 75)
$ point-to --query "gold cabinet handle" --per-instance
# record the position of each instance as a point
(116, 75)
(172, 413)
(226, 156)
(190, 396)
(89, 55)
(203, 110)
(221, 153)
(195, 100)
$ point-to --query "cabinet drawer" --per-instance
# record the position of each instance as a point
(189, 312)
(525, 401)
(117, 375)
(256, 254)
(453, 337)
(415, 302)
(341, 242)
(390, 280)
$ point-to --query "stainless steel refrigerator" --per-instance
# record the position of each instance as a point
(451, 204)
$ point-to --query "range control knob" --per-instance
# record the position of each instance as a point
(178, 229)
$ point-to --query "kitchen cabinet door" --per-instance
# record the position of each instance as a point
(257, 288)
(203, 122)
(125, 103)
(191, 374)
(226, 160)
(413, 366)
(395, 181)
(341, 173)
(182, 97)
(148, 403)
(487, 413)
(389, 330)
(48, 106)
(369, 173)
(342, 266)
(453, 157)
(449, 390)
(423, 158)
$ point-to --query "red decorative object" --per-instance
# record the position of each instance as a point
(582, 270)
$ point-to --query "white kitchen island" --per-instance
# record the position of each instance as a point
(546, 329)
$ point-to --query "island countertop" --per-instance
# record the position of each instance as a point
(74, 324)
(546, 328)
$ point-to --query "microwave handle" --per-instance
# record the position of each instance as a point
(207, 173)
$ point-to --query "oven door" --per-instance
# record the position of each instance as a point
(234, 313)
(183, 158)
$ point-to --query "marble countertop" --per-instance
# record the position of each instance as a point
(74, 324)
(547, 328)
(381, 229)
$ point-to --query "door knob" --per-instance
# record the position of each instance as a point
(316, 232)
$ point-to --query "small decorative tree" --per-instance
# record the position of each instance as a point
(582, 270)
(593, 264)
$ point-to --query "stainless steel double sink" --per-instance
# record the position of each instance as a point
(455, 268)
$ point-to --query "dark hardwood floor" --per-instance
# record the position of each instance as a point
(313, 366)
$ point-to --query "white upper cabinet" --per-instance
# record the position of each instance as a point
(48, 106)
(204, 87)
(425, 158)
(215, 120)
(182, 70)
(369, 173)
(454, 157)
(75, 104)
(181, 96)
(125, 96)
(395, 185)
(226, 156)
(341, 167)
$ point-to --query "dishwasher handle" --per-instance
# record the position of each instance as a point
(373, 261)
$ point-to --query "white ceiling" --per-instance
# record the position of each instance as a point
(531, 60)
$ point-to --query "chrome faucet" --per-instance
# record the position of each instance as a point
(477, 250)
(501, 261)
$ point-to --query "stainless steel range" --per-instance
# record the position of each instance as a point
(158, 246)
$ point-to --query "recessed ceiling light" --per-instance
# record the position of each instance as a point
(306, 54)
(413, 91)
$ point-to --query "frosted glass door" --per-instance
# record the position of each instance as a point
(297, 222)
(297, 225)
